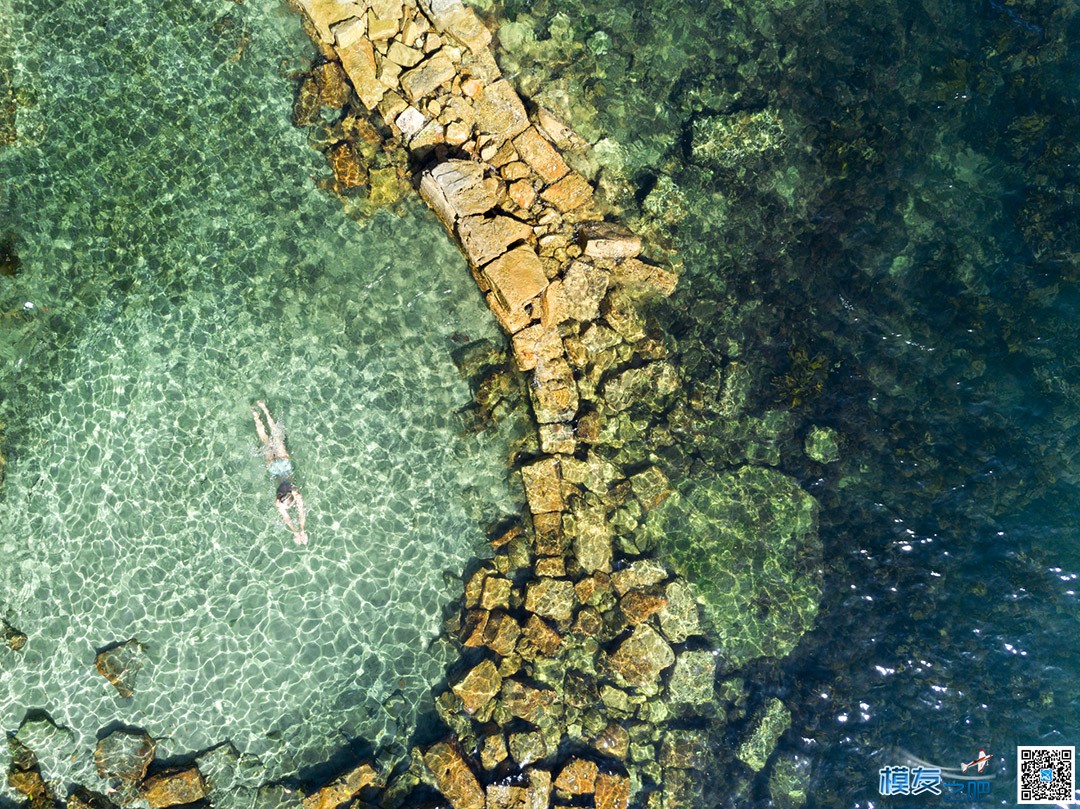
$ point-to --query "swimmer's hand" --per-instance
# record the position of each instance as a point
(300, 538)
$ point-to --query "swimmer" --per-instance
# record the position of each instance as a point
(280, 468)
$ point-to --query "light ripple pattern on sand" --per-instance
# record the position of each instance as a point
(181, 265)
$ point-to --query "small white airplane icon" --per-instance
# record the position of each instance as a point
(981, 761)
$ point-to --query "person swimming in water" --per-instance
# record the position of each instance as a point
(280, 468)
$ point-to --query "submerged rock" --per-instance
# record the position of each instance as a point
(124, 754)
(343, 789)
(747, 542)
(727, 141)
(641, 658)
(15, 639)
(692, 679)
(49, 745)
(821, 445)
(768, 729)
(120, 665)
(174, 787)
(789, 781)
(478, 686)
(453, 777)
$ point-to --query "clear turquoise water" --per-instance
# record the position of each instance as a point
(177, 264)
(901, 268)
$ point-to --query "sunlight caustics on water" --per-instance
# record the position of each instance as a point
(178, 264)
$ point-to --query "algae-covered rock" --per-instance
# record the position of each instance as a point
(789, 781)
(15, 639)
(768, 728)
(747, 543)
(821, 445)
(726, 141)
(692, 679)
(641, 657)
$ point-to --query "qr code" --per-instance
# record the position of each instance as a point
(1045, 774)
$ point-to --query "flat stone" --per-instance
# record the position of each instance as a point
(534, 345)
(501, 796)
(551, 598)
(554, 306)
(578, 777)
(585, 286)
(344, 788)
(174, 788)
(569, 193)
(591, 537)
(124, 754)
(426, 76)
(640, 658)
(636, 606)
(554, 393)
(410, 122)
(548, 536)
(357, 56)
(486, 238)
(493, 750)
(679, 618)
(499, 111)
(543, 485)
(325, 13)
(552, 566)
(541, 156)
(612, 791)
(769, 726)
(641, 279)
(457, 188)
(522, 193)
(651, 487)
(558, 132)
(693, 677)
(475, 625)
(516, 277)
(496, 593)
(527, 747)
(120, 665)
(477, 688)
(453, 778)
(542, 636)
(501, 634)
(525, 702)
(639, 574)
(557, 438)
(403, 55)
(380, 29)
(608, 240)
(684, 749)
(454, 19)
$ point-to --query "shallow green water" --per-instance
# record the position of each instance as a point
(177, 264)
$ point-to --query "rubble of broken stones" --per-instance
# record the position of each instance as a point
(573, 660)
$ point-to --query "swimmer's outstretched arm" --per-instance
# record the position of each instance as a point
(300, 510)
(283, 510)
(259, 426)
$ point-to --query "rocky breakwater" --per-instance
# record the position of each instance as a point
(578, 671)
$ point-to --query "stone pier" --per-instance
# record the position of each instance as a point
(576, 658)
